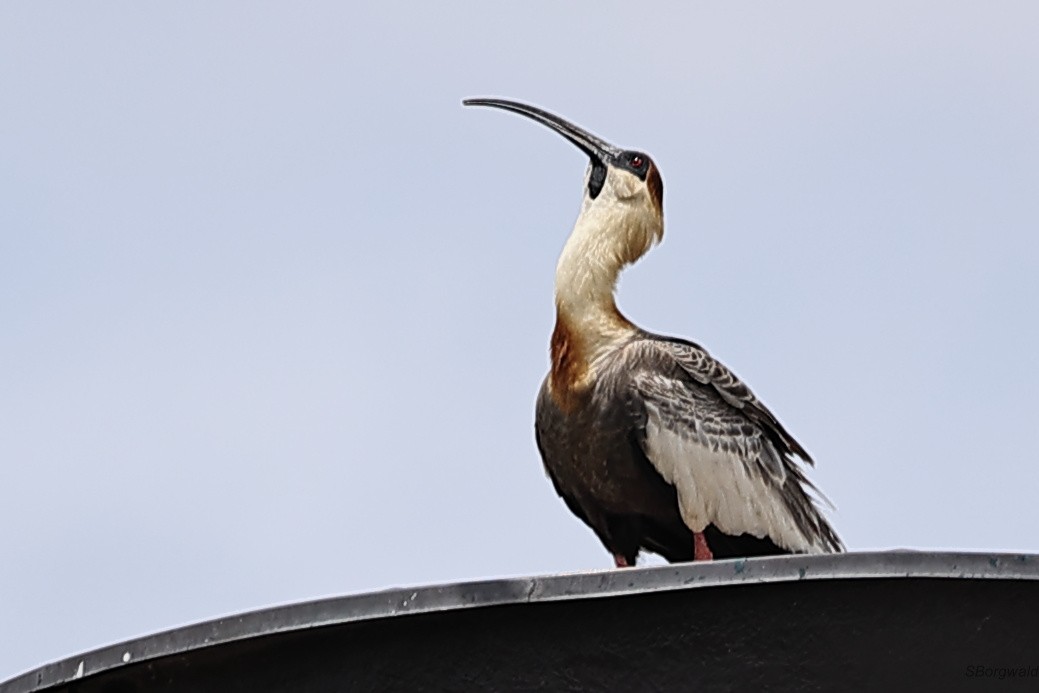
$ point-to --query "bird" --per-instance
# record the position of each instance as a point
(649, 440)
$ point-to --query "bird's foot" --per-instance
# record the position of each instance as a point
(620, 561)
(701, 551)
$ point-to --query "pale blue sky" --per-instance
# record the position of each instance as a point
(275, 306)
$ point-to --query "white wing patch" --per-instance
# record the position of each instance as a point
(724, 470)
(715, 487)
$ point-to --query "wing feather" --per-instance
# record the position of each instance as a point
(727, 455)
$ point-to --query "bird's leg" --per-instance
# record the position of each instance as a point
(620, 561)
(701, 551)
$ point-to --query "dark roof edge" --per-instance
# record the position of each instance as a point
(591, 585)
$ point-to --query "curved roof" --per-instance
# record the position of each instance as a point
(930, 618)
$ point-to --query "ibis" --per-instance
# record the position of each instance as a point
(649, 440)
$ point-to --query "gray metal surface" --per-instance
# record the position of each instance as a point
(395, 604)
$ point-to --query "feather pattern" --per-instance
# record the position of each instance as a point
(731, 462)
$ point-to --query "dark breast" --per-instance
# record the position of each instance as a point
(591, 454)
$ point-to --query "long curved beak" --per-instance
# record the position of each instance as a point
(597, 149)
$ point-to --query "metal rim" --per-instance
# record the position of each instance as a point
(593, 585)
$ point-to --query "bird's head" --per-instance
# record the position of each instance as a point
(624, 194)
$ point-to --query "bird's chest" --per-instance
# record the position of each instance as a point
(589, 451)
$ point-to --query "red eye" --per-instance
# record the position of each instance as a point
(636, 161)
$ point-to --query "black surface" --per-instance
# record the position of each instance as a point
(673, 632)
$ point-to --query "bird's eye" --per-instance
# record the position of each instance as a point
(637, 161)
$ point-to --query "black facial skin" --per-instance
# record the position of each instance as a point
(633, 162)
(597, 178)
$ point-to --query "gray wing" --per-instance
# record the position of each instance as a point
(728, 457)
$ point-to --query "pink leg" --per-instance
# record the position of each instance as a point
(620, 561)
(701, 551)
